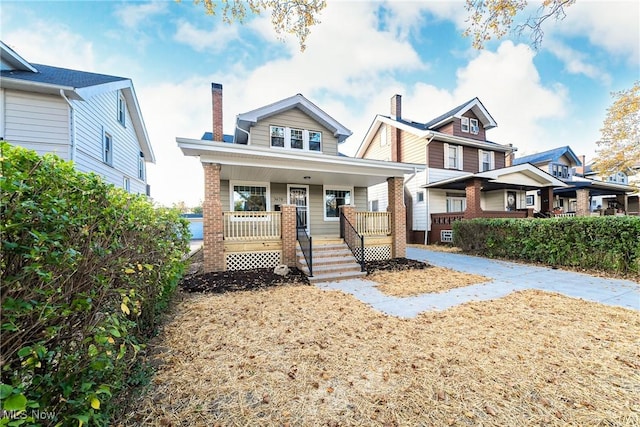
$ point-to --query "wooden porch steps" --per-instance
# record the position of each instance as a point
(331, 261)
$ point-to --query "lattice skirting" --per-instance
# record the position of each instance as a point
(248, 260)
(374, 253)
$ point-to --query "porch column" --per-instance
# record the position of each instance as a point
(546, 199)
(395, 190)
(213, 245)
(349, 213)
(474, 209)
(582, 202)
(289, 235)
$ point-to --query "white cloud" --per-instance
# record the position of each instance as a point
(214, 40)
(576, 62)
(611, 25)
(131, 15)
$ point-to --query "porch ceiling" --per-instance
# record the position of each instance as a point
(241, 162)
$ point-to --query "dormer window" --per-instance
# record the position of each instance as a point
(560, 171)
(474, 126)
(464, 124)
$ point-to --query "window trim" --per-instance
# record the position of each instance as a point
(324, 199)
(530, 200)
(142, 170)
(420, 197)
(107, 155)
(122, 110)
(492, 160)
(126, 184)
(265, 184)
(464, 122)
(306, 139)
(461, 198)
(561, 168)
(459, 156)
(474, 128)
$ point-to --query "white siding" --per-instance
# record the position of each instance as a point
(437, 203)
(37, 122)
(435, 175)
(380, 193)
(414, 185)
(91, 117)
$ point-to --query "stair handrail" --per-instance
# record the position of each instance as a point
(305, 242)
(353, 239)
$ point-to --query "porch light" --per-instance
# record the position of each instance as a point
(307, 177)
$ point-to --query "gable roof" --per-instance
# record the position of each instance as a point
(18, 74)
(474, 105)
(428, 129)
(549, 156)
(245, 120)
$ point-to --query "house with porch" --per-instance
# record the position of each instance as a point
(585, 190)
(610, 204)
(465, 176)
(277, 191)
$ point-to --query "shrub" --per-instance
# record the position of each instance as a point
(609, 243)
(86, 271)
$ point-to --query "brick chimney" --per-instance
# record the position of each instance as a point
(510, 157)
(396, 107)
(216, 107)
(580, 170)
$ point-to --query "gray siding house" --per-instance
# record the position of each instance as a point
(91, 119)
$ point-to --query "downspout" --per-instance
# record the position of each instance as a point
(72, 125)
(428, 198)
(248, 135)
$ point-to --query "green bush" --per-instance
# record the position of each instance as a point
(86, 271)
(608, 243)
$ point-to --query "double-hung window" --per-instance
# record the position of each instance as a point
(250, 197)
(560, 171)
(453, 156)
(486, 160)
(474, 126)
(334, 197)
(107, 148)
(295, 139)
(464, 124)
(122, 109)
(456, 203)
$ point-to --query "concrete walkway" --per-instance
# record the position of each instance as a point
(507, 277)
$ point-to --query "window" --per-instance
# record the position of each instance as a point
(299, 139)
(126, 184)
(296, 139)
(531, 200)
(383, 135)
(420, 196)
(333, 199)
(474, 126)
(456, 203)
(107, 148)
(453, 156)
(141, 168)
(249, 197)
(122, 109)
(560, 171)
(374, 206)
(464, 124)
(487, 160)
(315, 140)
(277, 136)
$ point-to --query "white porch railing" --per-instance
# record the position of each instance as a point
(564, 215)
(258, 225)
(373, 223)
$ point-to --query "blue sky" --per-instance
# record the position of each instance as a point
(356, 59)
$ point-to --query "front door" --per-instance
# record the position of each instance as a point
(299, 196)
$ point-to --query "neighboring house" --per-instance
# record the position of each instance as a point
(280, 180)
(92, 119)
(612, 202)
(584, 190)
(466, 175)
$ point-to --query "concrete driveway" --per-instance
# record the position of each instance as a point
(506, 277)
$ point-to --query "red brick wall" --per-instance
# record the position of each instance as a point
(216, 108)
(582, 202)
(473, 199)
(289, 235)
(395, 188)
(213, 245)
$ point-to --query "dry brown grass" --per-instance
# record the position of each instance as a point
(301, 356)
(416, 282)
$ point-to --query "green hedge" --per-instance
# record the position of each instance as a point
(608, 243)
(86, 271)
